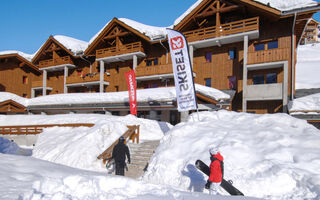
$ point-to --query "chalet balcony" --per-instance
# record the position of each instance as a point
(154, 70)
(271, 55)
(55, 62)
(88, 79)
(265, 92)
(38, 84)
(224, 34)
(124, 49)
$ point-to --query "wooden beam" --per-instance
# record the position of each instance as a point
(116, 35)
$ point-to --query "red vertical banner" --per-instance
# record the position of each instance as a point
(131, 81)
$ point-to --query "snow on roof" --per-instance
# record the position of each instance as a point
(152, 32)
(4, 96)
(306, 104)
(280, 5)
(307, 67)
(24, 55)
(74, 45)
(143, 95)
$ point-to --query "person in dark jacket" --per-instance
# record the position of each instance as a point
(119, 153)
(216, 171)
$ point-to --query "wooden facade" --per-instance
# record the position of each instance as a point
(238, 45)
(17, 74)
(311, 32)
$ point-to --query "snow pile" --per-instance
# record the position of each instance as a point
(310, 104)
(272, 156)
(79, 147)
(308, 66)
(277, 4)
(24, 55)
(72, 44)
(27, 178)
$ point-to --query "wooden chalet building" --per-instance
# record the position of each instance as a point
(63, 67)
(17, 73)
(245, 46)
(311, 32)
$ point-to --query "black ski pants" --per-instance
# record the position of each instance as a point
(120, 168)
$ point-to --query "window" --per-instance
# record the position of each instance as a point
(271, 78)
(24, 95)
(25, 80)
(207, 82)
(258, 79)
(273, 44)
(116, 88)
(232, 54)
(232, 82)
(259, 47)
(153, 61)
(208, 57)
(149, 62)
(117, 68)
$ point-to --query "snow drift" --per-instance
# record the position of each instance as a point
(271, 156)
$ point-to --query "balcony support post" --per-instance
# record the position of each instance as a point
(101, 76)
(191, 55)
(135, 61)
(66, 73)
(33, 93)
(245, 74)
(44, 83)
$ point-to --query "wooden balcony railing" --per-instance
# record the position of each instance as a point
(36, 84)
(154, 70)
(113, 51)
(90, 77)
(268, 55)
(224, 30)
(57, 61)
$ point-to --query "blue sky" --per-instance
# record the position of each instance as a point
(26, 25)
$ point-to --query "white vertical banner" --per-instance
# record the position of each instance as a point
(182, 71)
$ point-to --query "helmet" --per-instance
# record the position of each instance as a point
(121, 139)
(213, 150)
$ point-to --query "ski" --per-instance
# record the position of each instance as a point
(226, 185)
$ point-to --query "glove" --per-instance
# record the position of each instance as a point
(207, 186)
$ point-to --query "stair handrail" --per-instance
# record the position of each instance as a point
(132, 134)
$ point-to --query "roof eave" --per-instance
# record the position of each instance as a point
(300, 10)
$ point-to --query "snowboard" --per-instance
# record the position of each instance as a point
(226, 185)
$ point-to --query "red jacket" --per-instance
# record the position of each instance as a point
(215, 169)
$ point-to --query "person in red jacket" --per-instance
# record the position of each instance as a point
(216, 171)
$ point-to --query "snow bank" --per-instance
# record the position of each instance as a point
(27, 178)
(308, 66)
(79, 147)
(272, 156)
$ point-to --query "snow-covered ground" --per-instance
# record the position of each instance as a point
(308, 66)
(272, 156)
